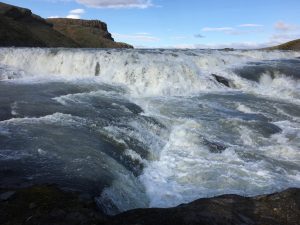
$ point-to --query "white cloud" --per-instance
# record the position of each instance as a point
(250, 25)
(142, 33)
(77, 11)
(217, 29)
(73, 16)
(235, 45)
(226, 30)
(241, 29)
(178, 37)
(136, 37)
(142, 4)
(283, 37)
(52, 17)
(282, 26)
(285, 32)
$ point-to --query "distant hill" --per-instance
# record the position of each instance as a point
(292, 45)
(19, 27)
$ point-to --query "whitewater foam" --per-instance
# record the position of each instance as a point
(244, 108)
(145, 73)
(167, 122)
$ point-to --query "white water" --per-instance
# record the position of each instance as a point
(174, 87)
(146, 73)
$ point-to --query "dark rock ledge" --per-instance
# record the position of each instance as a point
(47, 205)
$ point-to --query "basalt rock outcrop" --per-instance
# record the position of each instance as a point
(86, 33)
(19, 27)
(49, 205)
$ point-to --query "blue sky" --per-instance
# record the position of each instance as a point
(184, 23)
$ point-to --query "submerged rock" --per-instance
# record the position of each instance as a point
(228, 49)
(54, 206)
(223, 80)
(214, 147)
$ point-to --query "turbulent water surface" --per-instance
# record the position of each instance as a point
(150, 128)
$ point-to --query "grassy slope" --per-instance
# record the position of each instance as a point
(20, 28)
(292, 45)
(86, 37)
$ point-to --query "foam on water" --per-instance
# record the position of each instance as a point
(187, 169)
(259, 159)
(280, 85)
(56, 118)
(145, 73)
(243, 108)
(187, 135)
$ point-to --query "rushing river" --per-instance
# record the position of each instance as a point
(150, 128)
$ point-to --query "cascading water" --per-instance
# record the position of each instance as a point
(150, 128)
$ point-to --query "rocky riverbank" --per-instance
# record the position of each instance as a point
(47, 205)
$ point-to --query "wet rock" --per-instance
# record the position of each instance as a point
(32, 205)
(48, 205)
(223, 80)
(214, 147)
(276, 209)
(227, 49)
(6, 195)
(97, 69)
(54, 206)
(76, 218)
(57, 214)
(85, 197)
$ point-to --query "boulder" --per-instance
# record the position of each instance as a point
(223, 80)
(275, 209)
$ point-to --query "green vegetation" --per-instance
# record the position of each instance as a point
(86, 33)
(19, 27)
(292, 45)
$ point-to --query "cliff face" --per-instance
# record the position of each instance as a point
(86, 33)
(292, 45)
(19, 27)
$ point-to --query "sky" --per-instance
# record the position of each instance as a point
(183, 23)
